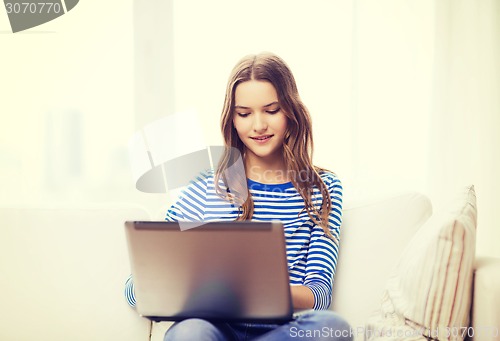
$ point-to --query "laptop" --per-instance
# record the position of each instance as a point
(230, 271)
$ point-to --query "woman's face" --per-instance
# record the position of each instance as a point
(259, 119)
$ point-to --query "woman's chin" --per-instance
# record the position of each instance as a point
(266, 154)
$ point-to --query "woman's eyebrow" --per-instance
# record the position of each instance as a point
(268, 105)
(264, 106)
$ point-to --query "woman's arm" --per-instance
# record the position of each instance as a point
(130, 292)
(302, 297)
(323, 251)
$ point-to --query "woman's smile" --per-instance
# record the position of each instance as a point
(261, 139)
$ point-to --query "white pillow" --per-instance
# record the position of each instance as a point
(429, 293)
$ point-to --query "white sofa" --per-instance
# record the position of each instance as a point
(63, 269)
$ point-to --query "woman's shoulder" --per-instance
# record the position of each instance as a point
(330, 178)
(201, 182)
(206, 179)
(205, 176)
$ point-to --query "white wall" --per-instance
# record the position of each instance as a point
(76, 69)
(67, 108)
(393, 87)
(465, 136)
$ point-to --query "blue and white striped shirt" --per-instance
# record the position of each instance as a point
(312, 256)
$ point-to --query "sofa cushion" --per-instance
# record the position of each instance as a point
(430, 289)
(374, 232)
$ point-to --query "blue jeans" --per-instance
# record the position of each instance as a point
(313, 325)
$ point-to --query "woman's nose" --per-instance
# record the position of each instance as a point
(259, 123)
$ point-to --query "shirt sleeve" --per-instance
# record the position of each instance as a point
(190, 206)
(192, 202)
(323, 251)
(129, 292)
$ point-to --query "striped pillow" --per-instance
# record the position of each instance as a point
(429, 293)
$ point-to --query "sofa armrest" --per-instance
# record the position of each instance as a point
(486, 299)
(62, 274)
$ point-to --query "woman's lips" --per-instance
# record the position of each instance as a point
(261, 139)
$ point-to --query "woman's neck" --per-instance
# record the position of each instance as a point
(266, 171)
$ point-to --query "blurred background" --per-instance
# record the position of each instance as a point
(404, 94)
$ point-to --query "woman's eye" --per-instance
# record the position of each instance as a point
(273, 111)
(243, 114)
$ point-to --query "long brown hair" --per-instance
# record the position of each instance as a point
(298, 141)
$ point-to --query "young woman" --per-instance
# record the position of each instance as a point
(264, 119)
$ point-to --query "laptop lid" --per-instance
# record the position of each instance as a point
(231, 271)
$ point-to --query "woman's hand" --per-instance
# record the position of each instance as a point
(302, 297)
